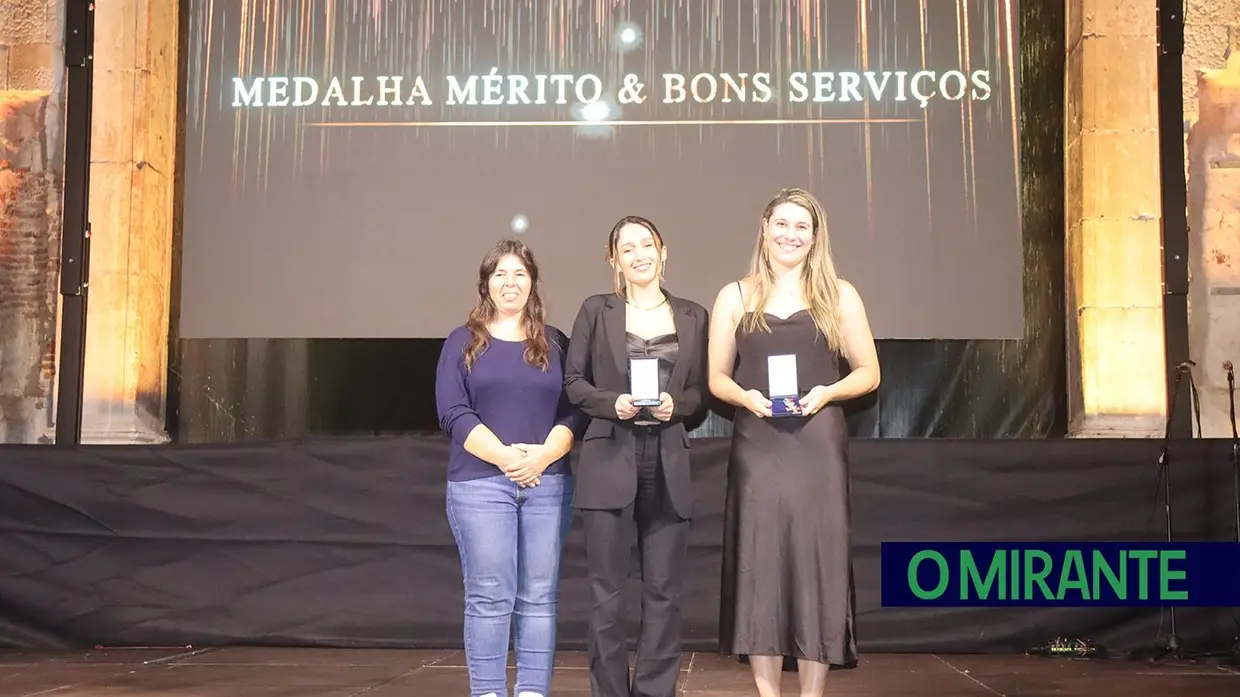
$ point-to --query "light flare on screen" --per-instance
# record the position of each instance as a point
(910, 140)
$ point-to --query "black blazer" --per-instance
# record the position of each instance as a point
(596, 374)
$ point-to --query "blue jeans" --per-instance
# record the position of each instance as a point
(510, 541)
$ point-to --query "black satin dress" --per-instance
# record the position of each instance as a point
(787, 573)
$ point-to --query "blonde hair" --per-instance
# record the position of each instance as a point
(819, 283)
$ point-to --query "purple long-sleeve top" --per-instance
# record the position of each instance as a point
(518, 402)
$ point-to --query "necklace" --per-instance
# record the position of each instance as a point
(645, 309)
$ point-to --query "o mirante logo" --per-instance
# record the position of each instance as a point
(1060, 573)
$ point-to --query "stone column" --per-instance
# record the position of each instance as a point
(133, 141)
(31, 94)
(1116, 361)
(1212, 105)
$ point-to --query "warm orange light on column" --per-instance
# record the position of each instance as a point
(1114, 245)
(133, 143)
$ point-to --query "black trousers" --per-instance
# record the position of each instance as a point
(662, 542)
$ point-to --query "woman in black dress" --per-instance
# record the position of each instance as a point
(787, 576)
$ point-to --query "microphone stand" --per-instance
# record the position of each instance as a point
(1235, 449)
(1231, 656)
(1172, 647)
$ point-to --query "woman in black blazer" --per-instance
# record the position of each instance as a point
(634, 463)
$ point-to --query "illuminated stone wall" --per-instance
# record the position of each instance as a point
(1118, 380)
(133, 154)
(1115, 326)
(1212, 110)
(31, 97)
(132, 158)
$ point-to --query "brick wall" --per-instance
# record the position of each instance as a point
(1211, 28)
(31, 99)
(1211, 94)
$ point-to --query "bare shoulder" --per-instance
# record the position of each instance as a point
(729, 301)
(849, 297)
(852, 309)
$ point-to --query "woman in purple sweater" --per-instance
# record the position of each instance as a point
(499, 393)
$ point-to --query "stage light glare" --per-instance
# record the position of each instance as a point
(628, 37)
(596, 118)
(519, 223)
(595, 111)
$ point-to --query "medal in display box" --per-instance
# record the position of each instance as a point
(644, 382)
(782, 388)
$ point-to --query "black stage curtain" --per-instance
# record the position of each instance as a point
(344, 543)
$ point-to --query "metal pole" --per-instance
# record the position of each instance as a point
(75, 237)
(1174, 197)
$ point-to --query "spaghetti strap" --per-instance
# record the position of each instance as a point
(741, 290)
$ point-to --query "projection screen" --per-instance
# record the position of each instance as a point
(349, 162)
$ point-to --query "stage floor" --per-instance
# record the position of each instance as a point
(255, 672)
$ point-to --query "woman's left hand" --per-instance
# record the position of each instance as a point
(527, 472)
(663, 412)
(815, 400)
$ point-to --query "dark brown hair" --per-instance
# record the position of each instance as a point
(613, 239)
(533, 317)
